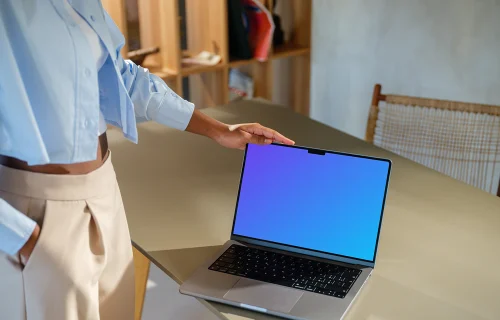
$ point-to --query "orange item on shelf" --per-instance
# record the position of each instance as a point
(260, 28)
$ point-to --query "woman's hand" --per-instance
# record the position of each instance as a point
(234, 136)
(28, 247)
(238, 135)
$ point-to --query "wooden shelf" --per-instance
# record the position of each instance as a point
(241, 63)
(189, 69)
(281, 52)
(186, 70)
(284, 51)
(289, 50)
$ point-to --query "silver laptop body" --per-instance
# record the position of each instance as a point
(297, 301)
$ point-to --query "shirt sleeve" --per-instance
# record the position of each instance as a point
(152, 98)
(15, 228)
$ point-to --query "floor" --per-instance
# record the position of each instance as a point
(163, 300)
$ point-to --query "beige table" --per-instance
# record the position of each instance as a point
(439, 252)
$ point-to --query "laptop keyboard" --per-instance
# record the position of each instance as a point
(300, 273)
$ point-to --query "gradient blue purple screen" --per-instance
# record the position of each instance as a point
(330, 203)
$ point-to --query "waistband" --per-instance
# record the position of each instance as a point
(97, 183)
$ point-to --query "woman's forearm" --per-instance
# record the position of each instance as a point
(206, 126)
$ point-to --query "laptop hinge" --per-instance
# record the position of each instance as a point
(308, 256)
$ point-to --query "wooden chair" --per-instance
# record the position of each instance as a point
(459, 139)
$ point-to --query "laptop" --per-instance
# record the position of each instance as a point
(305, 233)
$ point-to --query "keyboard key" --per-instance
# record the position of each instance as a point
(223, 270)
(231, 271)
(319, 290)
(214, 268)
(310, 288)
(299, 286)
(332, 287)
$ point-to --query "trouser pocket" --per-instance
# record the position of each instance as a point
(61, 277)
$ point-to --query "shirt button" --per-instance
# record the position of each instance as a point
(92, 18)
(87, 72)
(85, 123)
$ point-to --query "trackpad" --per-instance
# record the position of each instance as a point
(264, 295)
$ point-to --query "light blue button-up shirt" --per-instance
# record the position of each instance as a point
(51, 92)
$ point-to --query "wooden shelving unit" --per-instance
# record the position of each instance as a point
(207, 29)
(288, 50)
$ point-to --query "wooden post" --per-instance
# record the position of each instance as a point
(141, 265)
(207, 31)
(373, 113)
(377, 90)
(262, 74)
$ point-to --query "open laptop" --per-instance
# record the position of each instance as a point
(305, 233)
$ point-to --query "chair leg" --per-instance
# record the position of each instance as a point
(141, 264)
(498, 192)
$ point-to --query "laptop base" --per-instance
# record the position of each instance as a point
(261, 296)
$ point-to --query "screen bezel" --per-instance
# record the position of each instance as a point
(305, 251)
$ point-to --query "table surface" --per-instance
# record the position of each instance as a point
(440, 240)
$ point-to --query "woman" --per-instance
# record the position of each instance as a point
(65, 250)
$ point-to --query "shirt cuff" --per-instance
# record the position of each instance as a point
(15, 228)
(170, 110)
(174, 112)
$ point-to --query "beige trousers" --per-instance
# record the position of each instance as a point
(82, 265)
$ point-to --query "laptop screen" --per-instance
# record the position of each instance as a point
(322, 201)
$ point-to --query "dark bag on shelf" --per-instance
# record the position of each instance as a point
(239, 47)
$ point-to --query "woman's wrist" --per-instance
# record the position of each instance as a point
(217, 130)
(206, 126)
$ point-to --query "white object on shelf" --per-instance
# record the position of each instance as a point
(203, 58)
